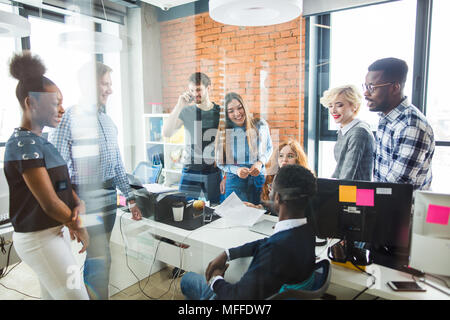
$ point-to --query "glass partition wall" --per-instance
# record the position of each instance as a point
(348, 41)
(280, 71)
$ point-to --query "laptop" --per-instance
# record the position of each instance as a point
(264, 227)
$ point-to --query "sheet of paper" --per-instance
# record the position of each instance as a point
(157, 188)
(438, 214)
(237, 213)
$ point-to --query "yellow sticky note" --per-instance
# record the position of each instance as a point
(347, 193)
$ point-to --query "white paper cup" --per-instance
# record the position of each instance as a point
(178, 212)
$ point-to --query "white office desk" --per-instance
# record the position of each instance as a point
(209, 241)
(204, 243)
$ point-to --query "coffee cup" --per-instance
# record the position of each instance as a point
(178, 210)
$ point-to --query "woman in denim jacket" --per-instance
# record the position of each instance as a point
(243, 147)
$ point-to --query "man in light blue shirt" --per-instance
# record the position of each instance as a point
(86, 138)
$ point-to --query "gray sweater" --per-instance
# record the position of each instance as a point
(354, 153)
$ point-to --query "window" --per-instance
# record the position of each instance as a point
(10, 112)
(437, 108)
(361, 36)
(45, 41)
(357, 38)
(349, 40)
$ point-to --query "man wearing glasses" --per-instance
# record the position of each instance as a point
(404, 139)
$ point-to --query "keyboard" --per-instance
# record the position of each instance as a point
(4, 218)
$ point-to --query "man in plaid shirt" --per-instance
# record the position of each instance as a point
(404, 140)
(87, 140)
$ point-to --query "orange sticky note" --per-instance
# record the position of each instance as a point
(347, 193)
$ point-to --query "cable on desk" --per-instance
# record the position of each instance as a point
(423, 280)
(437, 278)
(151, 267)
(367, 288)
(5, 271)
(38, 298)
(182, 248)
(3, 243)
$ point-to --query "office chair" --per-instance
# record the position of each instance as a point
(321, 281)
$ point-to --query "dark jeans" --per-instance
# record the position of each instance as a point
(101, 206)
(194, 182)
(248, 189)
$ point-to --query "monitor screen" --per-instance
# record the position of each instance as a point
(377, 213)
(430, 241)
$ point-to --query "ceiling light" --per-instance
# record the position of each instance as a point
(13, 25)
(254, 12)
(88, 41)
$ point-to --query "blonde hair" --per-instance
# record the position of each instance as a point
(349, 93)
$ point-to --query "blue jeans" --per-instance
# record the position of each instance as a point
(246, 189)
(98, 255)
(194, 287)
(207, 180)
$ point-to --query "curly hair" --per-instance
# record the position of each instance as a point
(29, 70)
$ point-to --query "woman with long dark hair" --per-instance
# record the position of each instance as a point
(243, 148)
(42, 202)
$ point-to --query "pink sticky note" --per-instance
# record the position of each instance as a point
(365, 197)
(122, 201)
(438, 214)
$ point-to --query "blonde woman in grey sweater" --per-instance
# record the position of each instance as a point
(355, 143)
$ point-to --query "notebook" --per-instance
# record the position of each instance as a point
(264, 227)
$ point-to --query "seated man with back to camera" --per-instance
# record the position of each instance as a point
(287, 257)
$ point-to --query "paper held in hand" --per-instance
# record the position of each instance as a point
(237, 213)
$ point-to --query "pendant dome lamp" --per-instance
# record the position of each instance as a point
(254, 12)
(90, 41)
(13, 25)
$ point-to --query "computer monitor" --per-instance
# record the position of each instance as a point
(430, 241)
(376, 213)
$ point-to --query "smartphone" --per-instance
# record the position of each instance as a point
(207, 214)
(405, 286)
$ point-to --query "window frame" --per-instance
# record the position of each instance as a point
(320, 76)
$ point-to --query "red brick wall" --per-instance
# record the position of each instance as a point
(237, 59)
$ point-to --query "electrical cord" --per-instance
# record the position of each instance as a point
(5, 271)
(3, 243)
(182, 248)
(437, 278)
(131, 270)
(8, 288)
(423, 280)
(367, 288)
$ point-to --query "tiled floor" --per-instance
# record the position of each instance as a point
(22, 284)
